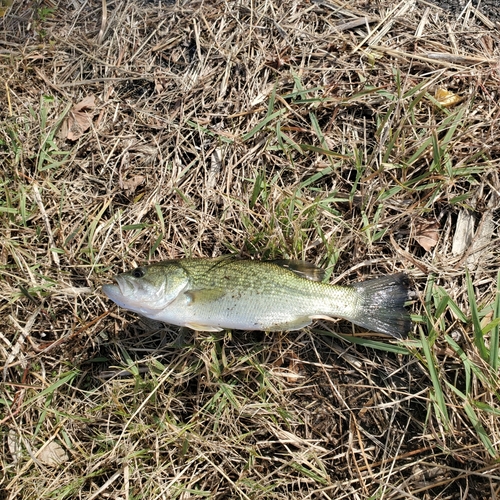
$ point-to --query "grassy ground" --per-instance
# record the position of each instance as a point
(361, 136)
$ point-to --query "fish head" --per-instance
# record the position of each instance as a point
(147, 290)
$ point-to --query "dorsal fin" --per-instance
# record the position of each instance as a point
(301, 268)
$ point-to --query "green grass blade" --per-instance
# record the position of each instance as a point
(468, 365)
(272, 101)
(456, 120)
(315, 476)
(372, 344)
(299, 88)
(326, 152)
(452, 305)
(65, 379)
(483, 436)
(486, 407)
(494, 339)
(431, 367)
(437, 153)
(316, 127)
(476, 322)
(227, 390)
(262, 124)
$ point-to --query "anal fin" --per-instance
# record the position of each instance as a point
(322, 316)
(203, 328)
(294, 324)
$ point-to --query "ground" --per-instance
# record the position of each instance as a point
(360, 136)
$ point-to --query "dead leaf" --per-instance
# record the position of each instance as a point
(215, 168)
(130, 185)
(53, 454)
(464, 232)
(14, 443)
(446, 98)
(78, 120)
(427, 234)
(295, 366)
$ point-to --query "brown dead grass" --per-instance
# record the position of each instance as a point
(173, 166)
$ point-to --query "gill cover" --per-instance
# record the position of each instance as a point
(147, 290)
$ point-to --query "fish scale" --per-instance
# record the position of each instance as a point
(226, 293)
(257, 295)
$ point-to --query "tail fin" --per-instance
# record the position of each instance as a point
(381, 308)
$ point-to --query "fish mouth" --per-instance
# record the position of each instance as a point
(111, 290)
(120, 292)
(117, 288)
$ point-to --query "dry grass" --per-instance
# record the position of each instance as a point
(273, 129)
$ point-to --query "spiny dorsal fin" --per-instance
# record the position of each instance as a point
(301, 268)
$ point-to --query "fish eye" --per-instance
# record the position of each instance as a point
(138, 272)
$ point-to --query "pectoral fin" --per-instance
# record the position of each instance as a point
(203, 296)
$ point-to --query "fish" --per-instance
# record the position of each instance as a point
(224, 293)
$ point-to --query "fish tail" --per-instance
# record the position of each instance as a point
(381, 306)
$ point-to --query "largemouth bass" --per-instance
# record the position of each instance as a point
(227, 292)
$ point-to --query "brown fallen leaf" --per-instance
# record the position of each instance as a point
(426, 233)
(14, 443)
(295, 366)
(130, 185)
(53, 454)
(446, 98)
(464, 232)
(78, 120)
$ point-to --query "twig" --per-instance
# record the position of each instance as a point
(46, 220)
(104, 20)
